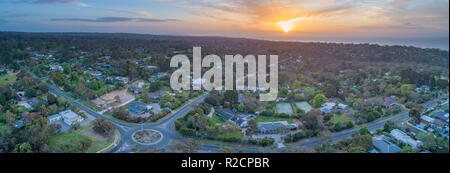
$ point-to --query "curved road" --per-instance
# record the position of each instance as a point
(166, 127)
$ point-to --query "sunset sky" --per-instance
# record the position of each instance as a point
(235, 18)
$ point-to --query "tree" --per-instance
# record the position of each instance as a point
(415, 112)
(311, 120)
(296, 85)
(145, 97)
(23, 148)
(43, 87)
(51, 99)
(75, 125)
(319, 99)
(252, 127)
(55, 127)
(241, 107)
(357, 150)
(364, 130)
(231, 96)
(2, 99)
(408, 149)
(103, 126)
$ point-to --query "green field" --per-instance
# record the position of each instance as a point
(304, 106)
(8, 78)
(261, 119)
(284, 108)
(215, 119)
(340, 119)
(98, 141)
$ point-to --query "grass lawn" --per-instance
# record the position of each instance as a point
(98, 141)
(215, 119)
(8, 78)
(261, 119)
(304, 106)
(284, 108)
(340, 119)
(239, 135)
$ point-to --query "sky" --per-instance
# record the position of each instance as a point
(267, 19)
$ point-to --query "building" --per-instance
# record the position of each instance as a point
(441, 115)
(272, 127)
(383, 145)
(34, 102)
(96, 74)
(426, 120)
(327, 107)
(124, 80)
(68, 117)
(56, 68)
(404, 138)
(389, 101)
(25, 104)
(71, 117)
(157, 94)
(54, 118)
(139, 108)
(342, 106)
(239, 119)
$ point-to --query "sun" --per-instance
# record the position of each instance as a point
(288, 25)
(285, 26)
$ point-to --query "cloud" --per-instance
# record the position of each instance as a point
(262, 11)
(114, 19)
(45, 1)
(139, 13)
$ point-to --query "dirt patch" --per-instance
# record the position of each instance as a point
(147, 136)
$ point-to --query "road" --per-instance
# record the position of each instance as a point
(126, 144)
(166, 127)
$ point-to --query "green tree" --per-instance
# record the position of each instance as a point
(364, 130)
(145, 97)
(415, 112)
(241, 107)
(23, 148)
(319, 99)
(408, 149)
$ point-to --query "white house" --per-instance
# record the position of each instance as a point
(404, 138)
(68, 116)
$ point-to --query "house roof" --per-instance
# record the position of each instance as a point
(382, 144)
(271, 126)
(157, 94)
(138, 106)
(427, 118)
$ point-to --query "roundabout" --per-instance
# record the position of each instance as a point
(147, 136)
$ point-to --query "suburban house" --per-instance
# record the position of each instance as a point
(404, 138)
(25, 105)
(56, 68)
(342, 106)
(441, 115)
(34, 102)
(139, 108)
(239, 119)
(124, 80)
(327, 107)
(272, 127)
(426, 120)
(68, 116)
(157, 94)
(383, 145)
(389, 101)
(96, 73)
(423, 88)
